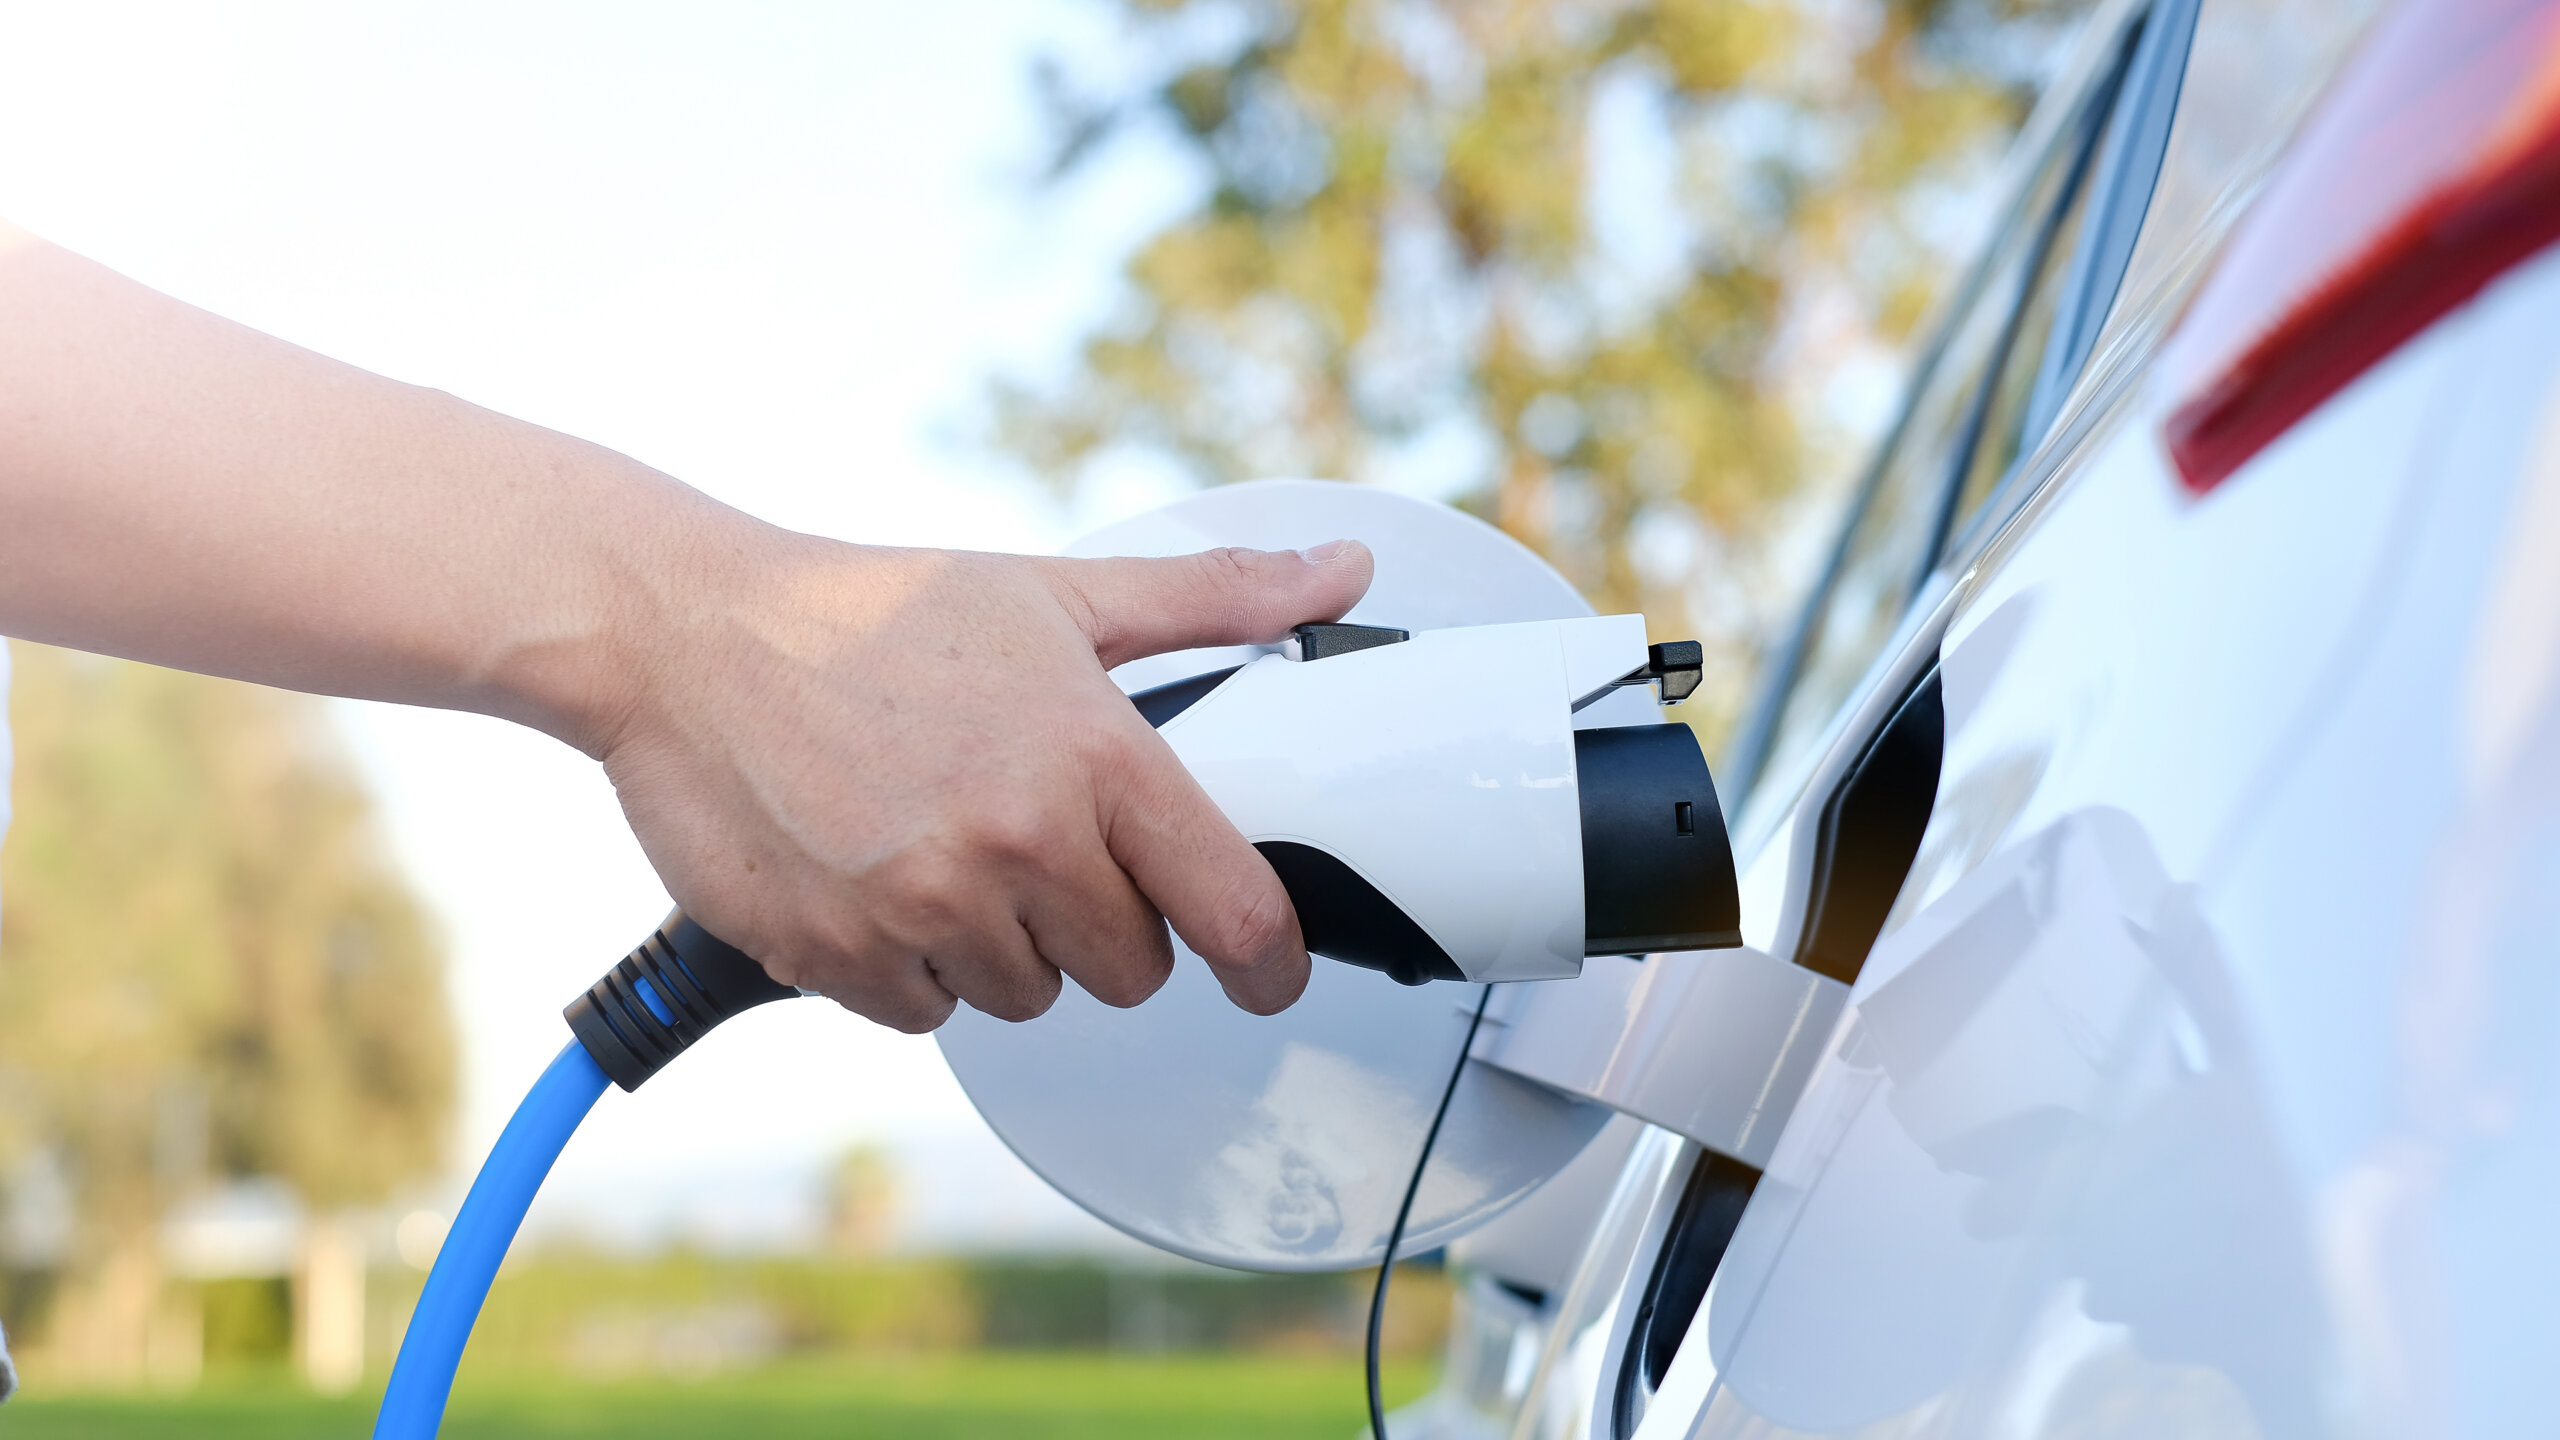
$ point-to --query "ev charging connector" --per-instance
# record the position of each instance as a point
(1435, 815)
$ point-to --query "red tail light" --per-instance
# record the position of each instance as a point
(2432, 165)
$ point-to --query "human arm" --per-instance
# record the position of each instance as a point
(802, 732)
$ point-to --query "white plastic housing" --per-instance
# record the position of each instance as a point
(1441, 769)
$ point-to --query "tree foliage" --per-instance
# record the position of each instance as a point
(207, 967)
(1603, 252)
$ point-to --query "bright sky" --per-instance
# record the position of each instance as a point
(768, 248)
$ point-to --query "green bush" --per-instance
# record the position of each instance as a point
(247, 1321)
(954, 1397)
(690, 1314)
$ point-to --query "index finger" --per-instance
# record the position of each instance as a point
(1217, 890)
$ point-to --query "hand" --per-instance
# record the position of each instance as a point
(901, 778)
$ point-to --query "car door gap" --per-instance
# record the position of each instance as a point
(1868, 833)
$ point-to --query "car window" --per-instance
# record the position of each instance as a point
(2084, 265)
(1962, 430)
(2004, 402)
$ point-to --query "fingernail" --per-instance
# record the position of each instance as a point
(1329, 550)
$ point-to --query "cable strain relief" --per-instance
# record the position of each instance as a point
(664, 996)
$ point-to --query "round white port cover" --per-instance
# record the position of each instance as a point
(1284, 1142)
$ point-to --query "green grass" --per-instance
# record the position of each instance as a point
(961, 1397)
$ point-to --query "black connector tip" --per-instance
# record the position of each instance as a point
(1657, 865)
(665, 995)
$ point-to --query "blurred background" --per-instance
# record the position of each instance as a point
(1634, 279)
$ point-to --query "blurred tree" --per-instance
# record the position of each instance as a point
(1591, 264)
(862, 1202)
(207, 970)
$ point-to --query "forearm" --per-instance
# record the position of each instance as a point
(800, 731)
(180, 489)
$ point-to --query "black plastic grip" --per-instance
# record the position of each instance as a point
(1343, 917)
(665, 995)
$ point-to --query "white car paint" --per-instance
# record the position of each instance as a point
(2201, 1082)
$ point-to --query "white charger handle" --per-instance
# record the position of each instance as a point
(1439, 769)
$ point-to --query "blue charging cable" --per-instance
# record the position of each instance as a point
(644, 1012)
(647, 1010)
(421, 1379)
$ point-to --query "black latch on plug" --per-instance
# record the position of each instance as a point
(1323, 642)
(1678, 664)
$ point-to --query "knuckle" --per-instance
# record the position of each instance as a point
(1235, 565)
(1237, 580)
(1252, 925)
(1111, 751)
(921, 1017)
(1030, 997)
(1005, 986)
(1011, 835)
(1065, 581)
(825, 952)
(908, 1001)
(790, 967)
(1127, 967)
(927, 887)
(1133, 977)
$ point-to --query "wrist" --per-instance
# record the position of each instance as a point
(655, 571)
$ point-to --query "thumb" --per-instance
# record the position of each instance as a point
(1134, 607)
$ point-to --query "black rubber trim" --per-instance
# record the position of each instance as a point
(2128, 172)
(699, 978)
(1710, 1210)
(1343, 917)
(1870, 832)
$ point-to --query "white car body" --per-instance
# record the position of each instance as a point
(2203, 1076)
